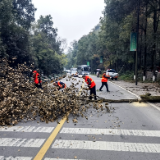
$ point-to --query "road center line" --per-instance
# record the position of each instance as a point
(53, 135)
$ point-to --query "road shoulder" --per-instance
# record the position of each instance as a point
(140, 89)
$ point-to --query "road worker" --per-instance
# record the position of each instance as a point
(104, 81)
(37, 79)
(91, 85)
(60, 85)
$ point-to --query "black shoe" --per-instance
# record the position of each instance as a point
(100, 90)
(108, 91)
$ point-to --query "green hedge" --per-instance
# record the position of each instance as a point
(128, 76)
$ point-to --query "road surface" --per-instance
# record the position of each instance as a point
(130, 132)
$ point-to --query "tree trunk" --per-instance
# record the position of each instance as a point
(140, 51)
(155, 26)
(145, 44)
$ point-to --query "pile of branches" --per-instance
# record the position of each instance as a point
(21, 100)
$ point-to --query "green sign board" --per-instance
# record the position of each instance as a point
(101, 59)
(133, 41)
(88, 63)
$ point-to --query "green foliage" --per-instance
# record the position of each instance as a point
(29, 42)
(128, 76)
(46, 50)
(15, 20)
(71, 58)
(110, 39)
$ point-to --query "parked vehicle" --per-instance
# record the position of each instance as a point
(74, 72)
(111, 73)
(68, 71)
(83, 70)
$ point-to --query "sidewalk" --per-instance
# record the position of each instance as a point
(140, 88)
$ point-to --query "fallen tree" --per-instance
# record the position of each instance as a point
(148, 97)
(21, 100)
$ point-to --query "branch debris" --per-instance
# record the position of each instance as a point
(21, 100)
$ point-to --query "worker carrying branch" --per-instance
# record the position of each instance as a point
(59, 85)
(91, 85)
(104, 81)
(37, 79)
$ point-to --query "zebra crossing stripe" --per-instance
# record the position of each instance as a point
(26, 129)
(30, 158)
(15, 158)
(107, 146)
(18, 142)
(59, 159)
(145, 133)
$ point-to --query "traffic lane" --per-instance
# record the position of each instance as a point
(100, 155)
(127, 118)
(28, 151)
(136, 116)
(116, 93)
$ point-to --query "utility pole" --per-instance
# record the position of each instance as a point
(136, 66)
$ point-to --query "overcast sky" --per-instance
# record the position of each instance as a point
(72, 18)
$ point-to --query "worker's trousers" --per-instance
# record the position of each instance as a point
(93, 93)
(38, 85)
(104, 84)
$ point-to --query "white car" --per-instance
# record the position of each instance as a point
(74, 72)
(68, 71)
(111, 73)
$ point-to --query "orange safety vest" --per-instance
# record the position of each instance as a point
(36, 78)
(104, 79)
(61, 85)
(92, 82)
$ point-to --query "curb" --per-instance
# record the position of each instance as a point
(156, 107)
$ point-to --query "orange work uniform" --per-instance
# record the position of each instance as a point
(87, 79)
(104, 81)
(61, 85)
(37, 79)
(92, 86)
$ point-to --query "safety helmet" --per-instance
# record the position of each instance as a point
(35, 71)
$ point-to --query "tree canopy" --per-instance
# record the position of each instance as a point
(110, 39)
(28, 40)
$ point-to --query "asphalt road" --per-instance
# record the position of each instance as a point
(130, 132)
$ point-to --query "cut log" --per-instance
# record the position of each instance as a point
(150, 98)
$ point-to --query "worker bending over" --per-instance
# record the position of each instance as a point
(37, 79)
(60, 85)
(104, 81)
(91, 85)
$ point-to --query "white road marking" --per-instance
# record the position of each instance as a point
(18, 142)
(158, 108)
(145, 133)
(139, 98)
(26, 129)
(108, 146)
(59, 159)
(15, 158)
